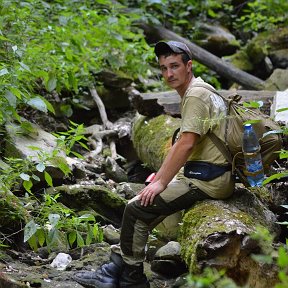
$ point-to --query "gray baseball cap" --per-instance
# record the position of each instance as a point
(178, 47)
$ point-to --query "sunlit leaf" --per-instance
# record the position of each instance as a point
(54, 219)
(25, 176)
(11, 98)
(38, 104)
(29, 230)
(4, 71)
(35, 177)
(40, 167)
(24, 66)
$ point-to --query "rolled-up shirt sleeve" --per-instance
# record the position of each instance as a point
(195, 116)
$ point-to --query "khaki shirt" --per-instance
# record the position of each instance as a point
(202, 110)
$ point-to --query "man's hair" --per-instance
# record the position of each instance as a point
(185, 58)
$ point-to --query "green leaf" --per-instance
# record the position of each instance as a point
(51, 85)
(88, 239)
(33, 243)
(95, 231)
(15, 92)
(48, 178)
(275, 176)
(38, 104)
(11, 98)
(40, 167)
(282, 109)
(28, 185)
(87, 217)
(80, 241)
(283, 154)
(24, 66)
(4, 71)
(49, 106)
(29, 230)
(25, 176)
(54, 219)
(72, 237)
(262, 258)
(41, 236)
(77, 154)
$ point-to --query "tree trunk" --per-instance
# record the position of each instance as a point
(214, 233)
(152, 138)
(206, 58)
(156, 103)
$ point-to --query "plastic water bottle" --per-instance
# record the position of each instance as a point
(252, 156)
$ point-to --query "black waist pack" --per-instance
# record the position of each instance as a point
(204, 171)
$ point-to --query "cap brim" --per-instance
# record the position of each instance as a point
(164, 47)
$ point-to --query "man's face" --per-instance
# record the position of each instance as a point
(176, 74)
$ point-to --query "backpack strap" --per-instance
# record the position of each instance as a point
(222, 146)
(224, 149)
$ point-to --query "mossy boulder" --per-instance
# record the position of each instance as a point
(240, 60)
(95, 198)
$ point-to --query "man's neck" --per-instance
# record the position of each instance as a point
(181, 90)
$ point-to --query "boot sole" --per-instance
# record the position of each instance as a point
(95, 284)
(143, 285)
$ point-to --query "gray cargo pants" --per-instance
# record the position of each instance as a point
(138, 220)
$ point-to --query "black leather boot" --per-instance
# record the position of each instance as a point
(106, 276)
(133, 277)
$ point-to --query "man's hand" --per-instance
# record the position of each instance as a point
(147, 195)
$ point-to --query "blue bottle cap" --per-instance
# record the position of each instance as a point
(248, 126)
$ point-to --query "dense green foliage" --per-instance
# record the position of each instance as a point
(62, 45)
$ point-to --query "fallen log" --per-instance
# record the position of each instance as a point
(168, 102)
(213, 233)
(152, 138)
(218, 65)
(217, 234)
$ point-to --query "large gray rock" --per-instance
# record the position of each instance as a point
(278, 80)
(33, 144)
(216, 39)
(106, 205)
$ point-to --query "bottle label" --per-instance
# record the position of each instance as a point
(254, 168)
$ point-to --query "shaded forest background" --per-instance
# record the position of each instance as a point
(54, 53)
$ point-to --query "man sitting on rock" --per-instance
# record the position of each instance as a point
(174, 188)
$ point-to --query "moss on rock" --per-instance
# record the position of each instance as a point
(152, 138)
(213, 230)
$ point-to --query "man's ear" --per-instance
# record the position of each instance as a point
(189, 65)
